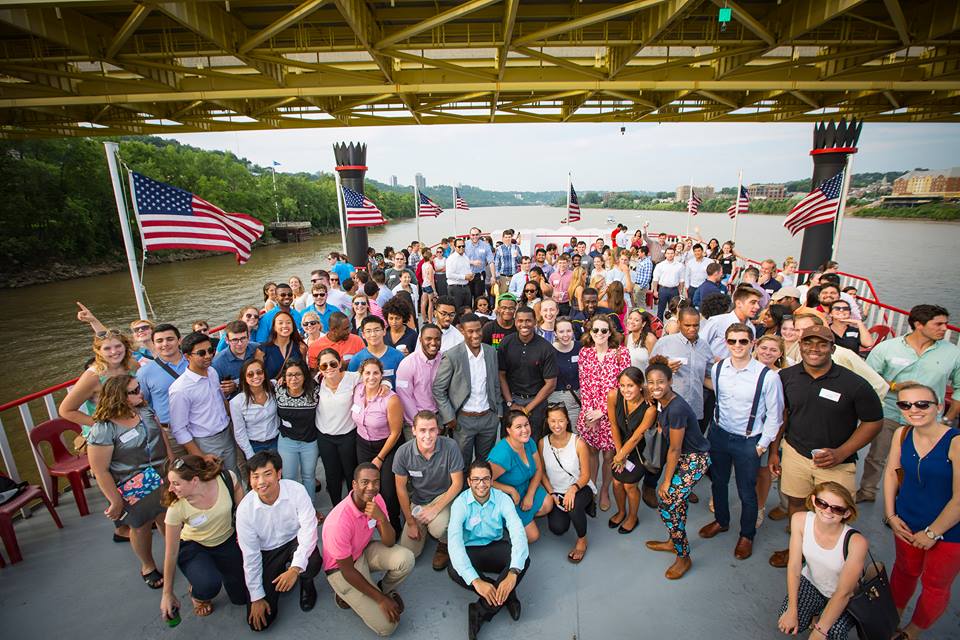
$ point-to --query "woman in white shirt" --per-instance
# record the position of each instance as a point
(337, 437)
(301, 298)
(254, 411)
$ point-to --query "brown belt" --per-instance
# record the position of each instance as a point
(474, 414)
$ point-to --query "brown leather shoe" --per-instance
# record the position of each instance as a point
(712, 529)
(693, 498)
(657, 545)
(341, 602)
(744, 548)
(779, 559)
(649, 495)
(678, 568)
(441, 558)
(778, 513)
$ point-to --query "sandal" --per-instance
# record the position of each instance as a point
(572, 556)
(154, 579)
(202, 608)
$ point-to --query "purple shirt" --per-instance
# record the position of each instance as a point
(415, 376)
(371, 416)
(197, 409)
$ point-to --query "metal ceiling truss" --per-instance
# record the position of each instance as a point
(113, 67)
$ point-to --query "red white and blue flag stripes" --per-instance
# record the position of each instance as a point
(693, 204)
(427, 208)
(361, 212)
(741, 204)
(573, 207)
(458, 202)
(820, 206)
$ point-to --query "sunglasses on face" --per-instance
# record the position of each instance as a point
(832, 508)
(142, 328)
(320, 294)
(310, 323)
(250, 316)
(333, 364)
(740, 341)
(600, 330)
(923, 405)
(134, 392)
(203, 352)
(459, 246)
(256, 373)
(360, 303)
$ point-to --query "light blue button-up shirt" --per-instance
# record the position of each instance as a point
(695, 358)
(473, 524)
(897, 361)
(714, 329)
(735, 390)
(480, 251)
(155, 384)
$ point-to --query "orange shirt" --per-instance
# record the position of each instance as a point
(346, 348)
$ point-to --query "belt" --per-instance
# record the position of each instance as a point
(330, 572)
(474, 414)
(456, 285)
(521, 395)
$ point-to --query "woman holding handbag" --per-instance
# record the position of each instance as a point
(126, 447)
(834, 556)
(686, 461)
(923, 508)
(631, 416)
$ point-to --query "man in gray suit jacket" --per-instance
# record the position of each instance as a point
(467, 391)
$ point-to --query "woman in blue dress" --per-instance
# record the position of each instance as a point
(517, 471)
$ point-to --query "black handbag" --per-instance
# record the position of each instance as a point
(871, 606)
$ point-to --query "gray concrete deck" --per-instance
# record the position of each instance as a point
(75, 582)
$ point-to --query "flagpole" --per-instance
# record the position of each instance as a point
(689, 198)
(736, 207)
(111, 150)
(847, 176)
(416, 208)
(341, 211)
(569, 186)
(456, 231)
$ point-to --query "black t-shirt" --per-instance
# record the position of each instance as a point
(679, 415)
(493, 333)
(527, 365)
(850, 338)
(726, 263)
(298, 415)
(823, 413)
(771, 286)
(568, 368)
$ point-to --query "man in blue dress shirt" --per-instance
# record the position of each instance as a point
(475, 540)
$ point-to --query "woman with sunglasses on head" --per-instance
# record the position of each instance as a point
(284, 345)
(339, 338)
(687, 460)
(640, 338)
(253, 411)
(200, 535)
(921, 487)
(601, 360)
(312, 327)
(631, 416)
(337, 432)
(848, 331)
(297, 400)
(126, 448)
(566, 477)
(269, 296)
(826, 561)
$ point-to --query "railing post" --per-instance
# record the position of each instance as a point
(8, 462)
(37, 457)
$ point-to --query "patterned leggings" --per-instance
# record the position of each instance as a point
(810, 602)
(673, 510)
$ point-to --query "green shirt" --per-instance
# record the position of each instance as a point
(897, 361)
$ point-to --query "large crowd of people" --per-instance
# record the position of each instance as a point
(468, 392)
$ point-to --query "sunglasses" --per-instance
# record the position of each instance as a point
(832, 508)
(179, 462)
(599, 330)
(314, 280)
(134, 392)
(360, 303)
(529, 290)
(203, 352)
(110, 332)
(923, 405)
(323, 366)
(836, 308)
(142, 328)
(250, 316)
(310, 323)
(740, 341)
(320, 294)
(459, 246)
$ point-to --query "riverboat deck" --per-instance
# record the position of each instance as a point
(75, 582)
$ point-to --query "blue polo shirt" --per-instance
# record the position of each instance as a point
(228, 365)
(266, 324)
(390, 360)
(324, 317)
(344, 270)
(155, 384)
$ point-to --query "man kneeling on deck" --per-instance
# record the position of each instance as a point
(433, 467)
(477, 546)
(276, 525)
(350, 554)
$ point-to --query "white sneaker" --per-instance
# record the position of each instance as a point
(761, 516)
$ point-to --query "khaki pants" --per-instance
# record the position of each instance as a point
(503, 284)
(799, 476)
(397, 561)
(876, 459)
(436, 528)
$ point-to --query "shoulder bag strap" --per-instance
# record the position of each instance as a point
(756, 400)
(716, 391)
(557, 458)
(163, 365)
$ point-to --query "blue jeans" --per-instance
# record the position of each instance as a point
(665, 295)
(265, 445)
(729, 452)
(300, 462)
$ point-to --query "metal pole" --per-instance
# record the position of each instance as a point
(736, 207)
(276, 204)
(689, 198)
(416, 208)
(847, 177)
(456, 230)
(341, 212)
(566, 219)
(111, 150)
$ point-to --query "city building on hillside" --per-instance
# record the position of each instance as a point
(421, 181)
(704, 193)
(942, 182)
(768, 191)
(393, 181)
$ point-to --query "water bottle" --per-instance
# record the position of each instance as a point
(175, 620)
(416, 510)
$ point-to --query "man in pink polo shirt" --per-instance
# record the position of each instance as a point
(350, 554)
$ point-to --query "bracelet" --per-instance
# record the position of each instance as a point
(887, 520)
(817, 628)
(377, 457)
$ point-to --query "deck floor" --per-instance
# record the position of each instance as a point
(77, 581)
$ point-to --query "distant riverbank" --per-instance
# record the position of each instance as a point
(938, 212)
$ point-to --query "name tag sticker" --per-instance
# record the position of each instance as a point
(575, 359)
(830, 395)
(388, 372)
(902, 362)
(371, 523)
(852, 334)
(416, 474)
(402, 384)
(683, 361)
(356, 408)
(474, 521)
(198, 520)
(128, 436)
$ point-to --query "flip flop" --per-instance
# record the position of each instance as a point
(154, 579)
(574, 560)
(202, 608)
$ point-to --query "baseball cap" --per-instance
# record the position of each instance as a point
(507, 296)
(786, 292)
(818, 331)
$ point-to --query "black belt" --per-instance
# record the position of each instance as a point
(474, 414)
(457, 285)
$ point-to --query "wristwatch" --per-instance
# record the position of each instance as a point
(931, 534)
(509, 404)
(515, 571)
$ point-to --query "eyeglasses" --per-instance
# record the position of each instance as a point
(600, 330)
(923, 405)
(323, 366)
(203, 352)
(446, 314)
(310, 323)
(254, 373)
(484, 480)
(740, 341)
(335, 280)
(237, 340)
(143, 328)
(360, 303)
(134, 392)
(832, 508)
(109, 332)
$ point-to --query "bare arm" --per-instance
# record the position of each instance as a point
(545, 479)
(548, 386)
(505, 388)
(950, 515)
(395, 420)
(99, 457)
(69, 409)
(849, 575)
(507, 489)
(788, 622)
(85, 315)
(673, 457)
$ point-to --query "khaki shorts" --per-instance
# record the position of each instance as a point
(799, 476)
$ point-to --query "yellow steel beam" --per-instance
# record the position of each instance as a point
(624, 8)
(441, 18)
(743, 16)
(509, 20)
(560, 62)
(651, 25)
(130, 25)
(801, 16)
(539, 98)
(718, 98)
(283, 22)
(626, 96)
(463, 97)
(440, 64)
(899, 20)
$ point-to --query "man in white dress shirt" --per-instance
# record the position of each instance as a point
(696, 270)
(668, 280)
(746, 306)
(276, 527)
(459, 275)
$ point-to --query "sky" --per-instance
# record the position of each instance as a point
(537, 157)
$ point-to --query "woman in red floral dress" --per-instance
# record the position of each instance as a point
(601, 360)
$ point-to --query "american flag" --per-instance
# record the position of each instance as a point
(741, 205)
(693, 204)
(573, 208)
(426, 207)
(361, 212)
(171, 218)
(817, 207)
(458, 202)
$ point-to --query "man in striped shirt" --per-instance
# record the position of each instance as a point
(642, 277)
(506, 260)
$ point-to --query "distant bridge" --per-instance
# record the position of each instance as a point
(111, 67)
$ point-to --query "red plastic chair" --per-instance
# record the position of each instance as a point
(65, 464)
(8, 509)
